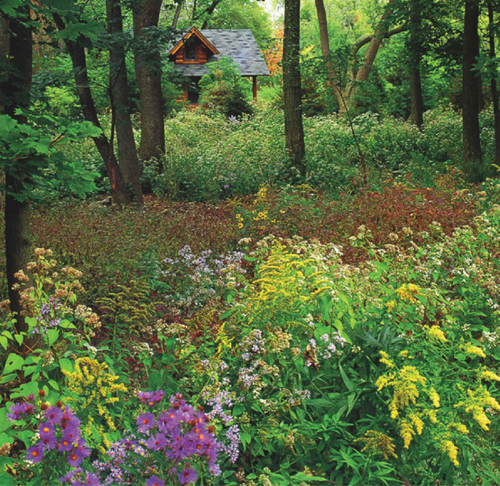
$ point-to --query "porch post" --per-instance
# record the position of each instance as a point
(254, 88)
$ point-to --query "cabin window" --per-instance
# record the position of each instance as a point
(190, 49)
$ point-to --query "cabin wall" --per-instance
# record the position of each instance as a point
(201, 55)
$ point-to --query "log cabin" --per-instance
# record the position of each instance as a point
(199, 47)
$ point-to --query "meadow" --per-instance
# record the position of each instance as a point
(240, 330)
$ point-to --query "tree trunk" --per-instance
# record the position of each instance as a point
(16, 92)
(331, 78)
(177, 14)
(148, 71)
(415, 47)
(292, 91)
(79, 61)
(374, 41)
(120, 106)
(494, 89)
(472, 156)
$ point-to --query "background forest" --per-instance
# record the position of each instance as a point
(301, 289)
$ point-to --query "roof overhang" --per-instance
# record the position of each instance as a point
(193, 31)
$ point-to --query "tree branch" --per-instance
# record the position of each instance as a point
(384, 35)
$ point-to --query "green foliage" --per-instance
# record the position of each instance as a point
(223, 90)
(29, 153)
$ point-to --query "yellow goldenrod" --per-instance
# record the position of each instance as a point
(436, 333)
(378, 443)
(407, 292)
(451, 449)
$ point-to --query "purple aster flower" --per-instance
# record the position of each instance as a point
(54, 415)
(75, 457)
(46, 431)
(71, 434)
(145, 396)
(159, 441)
(82, 447)
(35, 453)
(187, 476)
(50, 443)
(155, 481)
(145, 422)
(20, 408)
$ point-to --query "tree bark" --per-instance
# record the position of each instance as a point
(120, 104)
(332, 80)
(177, 14)
(16, 92)
(493, 84)
(79, 61)
(472, 156)
(148, 71)
(292, 91)
(374, 41)
(415, 47)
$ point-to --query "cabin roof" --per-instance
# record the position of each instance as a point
(238, 44)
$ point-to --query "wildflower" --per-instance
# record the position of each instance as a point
(390, 306)
(378, 443)
(452, 450)
(385, 359)
(434, 397)
(159, 441)
(189, 475)
(35, 453)
(407, 292)
(489, 375)
(476, 350)
(436, 333)
(155, 481)
(75, 458)
(145, 422)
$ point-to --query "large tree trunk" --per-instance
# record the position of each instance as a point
(292, 91)
(331, 78)
(79, 60)
(120, 106)
(472, 156)
(16, 94)
(494, 88)
(415, 47)
(148, 71)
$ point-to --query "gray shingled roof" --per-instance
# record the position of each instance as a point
(239, 44)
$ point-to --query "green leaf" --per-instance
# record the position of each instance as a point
(14, 363)
(19, 338)
(26, 389)
(52, 335)
(54, 384)
(66, 364)
(5, 423)
(4, 342)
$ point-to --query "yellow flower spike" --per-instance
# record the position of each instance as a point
(489, 375)
(475, 350)
(385, 359)
(436, 333)
(407, 433)
(451, 449)
(390, 305)
(434, 397)
(378, 443)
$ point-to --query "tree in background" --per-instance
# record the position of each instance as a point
(120, 101)
(292, 91)
(148, 68)
(17, 49)
(472, 155)
(75, 43)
